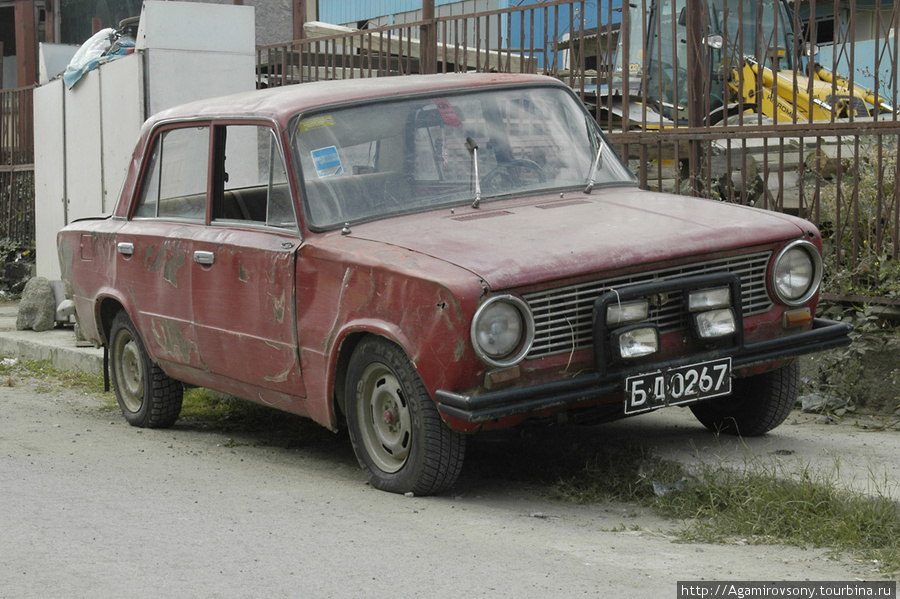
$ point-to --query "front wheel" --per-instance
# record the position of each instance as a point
(396, 430)
(757, 404)
(147, 396)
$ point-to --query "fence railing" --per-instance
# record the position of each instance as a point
(745, 113)
(17, 166)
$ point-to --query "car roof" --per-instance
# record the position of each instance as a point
(281, 103)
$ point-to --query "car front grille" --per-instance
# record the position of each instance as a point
(563, 316)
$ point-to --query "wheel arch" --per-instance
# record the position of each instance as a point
(106, 309)
(345, 347)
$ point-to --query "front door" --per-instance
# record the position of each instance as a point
(242, 268)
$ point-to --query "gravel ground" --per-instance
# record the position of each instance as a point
(94, 508)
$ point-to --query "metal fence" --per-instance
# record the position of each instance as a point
(17, 166)
(758, 110)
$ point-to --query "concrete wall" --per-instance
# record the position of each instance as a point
(84, 137)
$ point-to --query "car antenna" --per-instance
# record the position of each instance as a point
(473, 147)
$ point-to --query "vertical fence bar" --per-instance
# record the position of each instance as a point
(764, 155)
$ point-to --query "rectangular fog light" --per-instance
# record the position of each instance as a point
(715, 324)
(709, 299)
(628, 312)
(636, 342)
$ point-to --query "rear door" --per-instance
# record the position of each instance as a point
(155, 247)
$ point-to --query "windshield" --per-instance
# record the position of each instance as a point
(368, 161)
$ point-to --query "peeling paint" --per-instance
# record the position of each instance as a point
(66, 256)
(280, 377)
(152, 258)
(173, 265)
(168, 336)
(396, 259)
(278, 306)
(460, 350)
(337, 314)
(243, 275)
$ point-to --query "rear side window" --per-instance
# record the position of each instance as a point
(175, 179)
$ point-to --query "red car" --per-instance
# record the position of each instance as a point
(420, 258)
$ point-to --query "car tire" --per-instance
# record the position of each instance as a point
(147, 396)
(757, 404)
(397, 433)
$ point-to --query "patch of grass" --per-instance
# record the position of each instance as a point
(266, 426)
(768, 504)
(12, 368)
(204, 405)
(764, 502)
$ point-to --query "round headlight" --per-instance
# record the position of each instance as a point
(797, 273)
(503, 330)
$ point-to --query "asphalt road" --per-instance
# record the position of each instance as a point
(94, 508)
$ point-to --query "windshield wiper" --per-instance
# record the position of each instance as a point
(473, 147)
(594, 166)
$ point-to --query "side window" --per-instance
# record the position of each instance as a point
(174, 183)
(253, 180)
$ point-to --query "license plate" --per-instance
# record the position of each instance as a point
(677, 386)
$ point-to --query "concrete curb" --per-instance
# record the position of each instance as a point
(56, 346)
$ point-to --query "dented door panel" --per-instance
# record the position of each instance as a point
(244, 310)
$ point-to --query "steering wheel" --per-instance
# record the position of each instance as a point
(512, 174)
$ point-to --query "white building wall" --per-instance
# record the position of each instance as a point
(84, 137)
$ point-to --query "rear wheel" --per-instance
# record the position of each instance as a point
(757, 404)
(396, 430)
(147, 396)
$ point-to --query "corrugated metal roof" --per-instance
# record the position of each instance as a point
(353, 11)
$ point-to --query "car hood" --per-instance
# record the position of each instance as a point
(521, 242)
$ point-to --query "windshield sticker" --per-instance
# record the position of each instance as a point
(327, 161)
(448, 113)
(315, 123)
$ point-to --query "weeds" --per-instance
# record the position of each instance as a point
(765, 502)
(50, 377)
(866, 374)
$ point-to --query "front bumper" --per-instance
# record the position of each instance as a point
(495, 405)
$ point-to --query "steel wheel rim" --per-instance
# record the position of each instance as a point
(384, 417)
(129, 371)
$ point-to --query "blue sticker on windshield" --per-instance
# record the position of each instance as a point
(327, 161)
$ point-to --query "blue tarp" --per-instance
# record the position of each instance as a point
(102, 47)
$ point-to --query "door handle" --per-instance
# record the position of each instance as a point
(124, 248)
(206, 258)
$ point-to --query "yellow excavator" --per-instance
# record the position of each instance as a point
(750, 68)
(787, 95)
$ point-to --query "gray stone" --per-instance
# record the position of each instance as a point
(37, 308)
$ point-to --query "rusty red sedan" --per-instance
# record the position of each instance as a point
(425, 257)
